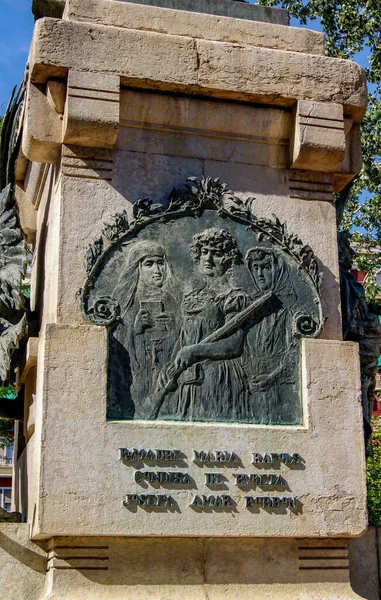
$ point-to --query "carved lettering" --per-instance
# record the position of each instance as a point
(217, 456)
(149, 500)
(163, 477)
(213, 478)
(267, 502)
(203, 501)
(134, 455)
(262, 480)
(274, 457)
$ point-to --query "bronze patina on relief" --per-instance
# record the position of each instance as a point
(205, 305)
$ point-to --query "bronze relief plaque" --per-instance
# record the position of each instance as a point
(205, 306)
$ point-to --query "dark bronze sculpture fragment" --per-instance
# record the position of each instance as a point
(360, 325)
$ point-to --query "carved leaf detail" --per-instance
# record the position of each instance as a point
(12, 256)
(192, 199)
(9, 341)
(145, 208)
(119, 226)
(92, 254)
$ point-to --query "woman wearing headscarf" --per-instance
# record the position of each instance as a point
(212, 385)
(148, 331)
(272, 351)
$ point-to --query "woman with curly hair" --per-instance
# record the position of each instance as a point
(212, 385)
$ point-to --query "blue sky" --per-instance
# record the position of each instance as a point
(16, 27)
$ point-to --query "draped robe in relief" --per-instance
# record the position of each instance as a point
(211, 390)
(272, 353)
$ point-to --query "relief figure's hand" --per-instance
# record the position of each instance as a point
(165, 318)
(185, 357)
(143, 320)
(165, 377)
(261, 382)
(162, 380)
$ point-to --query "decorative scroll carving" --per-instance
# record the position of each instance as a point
(205, 304)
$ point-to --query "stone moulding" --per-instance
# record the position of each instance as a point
(188, 65)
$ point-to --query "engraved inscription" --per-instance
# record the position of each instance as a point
(218, 456)
(135, 455)
(271, 502)
(265, 480)
(203, 501)
(149, 500)
(276, 457)
(213, 479)
(163, 477)
(269, 482)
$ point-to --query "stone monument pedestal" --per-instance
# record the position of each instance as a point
(176, 445)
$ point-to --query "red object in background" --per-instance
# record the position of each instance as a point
(5, 482)
(376, 406)
(358, 276)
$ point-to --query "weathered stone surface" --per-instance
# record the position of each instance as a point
(55, 8)
(56, 95)
(223, 120)
(27, 214)
(22, 564)
(42, 136)
(252, 71)
(92, 109)
(237, 10)
(353, 159)
(333, 499)
(364, 565)
(35, 182)
(318, 142)
(230, 568)
(45, 275)
(195, 25)
(216, 69)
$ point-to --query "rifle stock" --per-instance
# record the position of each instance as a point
(233, 325)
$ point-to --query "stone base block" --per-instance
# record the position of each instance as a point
(121, 568)
(195, 569)
(22, 564)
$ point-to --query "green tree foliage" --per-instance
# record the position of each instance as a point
(351, 26)
(7, 425)
(373, 471)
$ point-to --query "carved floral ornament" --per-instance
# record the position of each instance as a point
(197, 290)
(198, 196)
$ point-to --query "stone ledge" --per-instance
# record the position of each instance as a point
(177, 64)
(195, 25)
(227, 8)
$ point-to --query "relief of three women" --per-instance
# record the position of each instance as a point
(174, 374)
